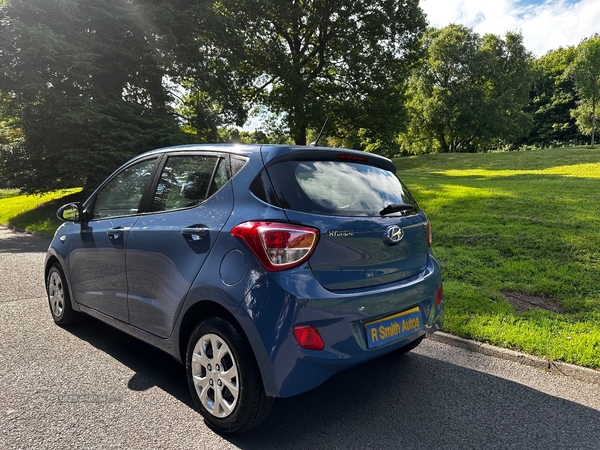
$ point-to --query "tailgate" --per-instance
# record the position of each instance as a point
(372, 230)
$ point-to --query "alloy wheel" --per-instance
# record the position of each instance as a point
(215, 375)
(56, 294)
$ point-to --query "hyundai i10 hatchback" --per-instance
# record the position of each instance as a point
(264, 269)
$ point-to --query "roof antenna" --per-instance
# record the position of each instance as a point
(314, 144)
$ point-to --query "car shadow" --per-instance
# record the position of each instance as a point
(151, 366)
(415, 401)
(398, 401)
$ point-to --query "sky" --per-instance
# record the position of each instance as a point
(544, 24)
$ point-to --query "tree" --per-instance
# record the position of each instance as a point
(304, 60)
(585, 70)
(469, 93)
(9, 113)
(208, 55)
(508, 80)
(552, 97)
(88, 79)
(583, 115)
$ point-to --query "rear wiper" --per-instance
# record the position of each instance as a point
(395, 207)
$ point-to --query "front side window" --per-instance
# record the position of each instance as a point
(188, 180)
(122, 195)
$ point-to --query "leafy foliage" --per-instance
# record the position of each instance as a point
(553, 97)
(347, 60)
(86, 84)
(470, 91)
(87, 77)
(585, 71)
(208, 55)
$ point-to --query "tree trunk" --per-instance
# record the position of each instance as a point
(300, 135)
(593, 120)
(441, 138)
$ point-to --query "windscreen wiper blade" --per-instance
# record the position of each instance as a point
(396, 207)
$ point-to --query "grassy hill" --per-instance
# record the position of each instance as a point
(518, 236)
(35, 213)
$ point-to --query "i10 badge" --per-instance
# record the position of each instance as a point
(393, 328)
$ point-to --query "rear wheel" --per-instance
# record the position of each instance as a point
(224, 378)
(58, 297)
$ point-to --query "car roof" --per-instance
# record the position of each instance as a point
(272, 152)
(242, 149)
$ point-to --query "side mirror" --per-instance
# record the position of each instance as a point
(70, 212)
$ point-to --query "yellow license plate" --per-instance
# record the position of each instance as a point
(393, 328)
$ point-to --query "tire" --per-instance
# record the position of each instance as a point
(226, 386)
(58, 297)
(411, 346)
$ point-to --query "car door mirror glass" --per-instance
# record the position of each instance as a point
(70, 212)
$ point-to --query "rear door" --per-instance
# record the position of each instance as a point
(361, 244)
(166, 248)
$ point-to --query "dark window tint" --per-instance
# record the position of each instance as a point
(237, 163)
(122, 195)
(334, 188)
(188, 180)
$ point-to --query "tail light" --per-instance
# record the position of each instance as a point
(429, 241)
(440, 296)
(278, 246)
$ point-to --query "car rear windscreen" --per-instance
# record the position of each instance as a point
(334, 188)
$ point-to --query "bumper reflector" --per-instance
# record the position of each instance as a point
(308, 337)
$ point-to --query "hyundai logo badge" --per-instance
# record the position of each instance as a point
(393, 235)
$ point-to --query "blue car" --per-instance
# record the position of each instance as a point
(264, 269)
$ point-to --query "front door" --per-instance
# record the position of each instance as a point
(97, 258)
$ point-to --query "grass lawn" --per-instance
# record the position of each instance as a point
(33, 212)
(523, 224)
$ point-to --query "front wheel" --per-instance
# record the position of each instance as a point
(58, 297)
(224, 378)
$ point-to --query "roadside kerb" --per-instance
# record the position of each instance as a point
(556, 367)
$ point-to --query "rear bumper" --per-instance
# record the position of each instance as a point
(295, 298)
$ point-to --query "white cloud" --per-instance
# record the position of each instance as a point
(545, 25)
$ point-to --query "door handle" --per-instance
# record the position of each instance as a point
(194, 233)
(116, 232)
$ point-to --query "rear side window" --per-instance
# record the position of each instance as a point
(188, 180)
(332, 188)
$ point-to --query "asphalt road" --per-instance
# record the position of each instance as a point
(91, 386)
